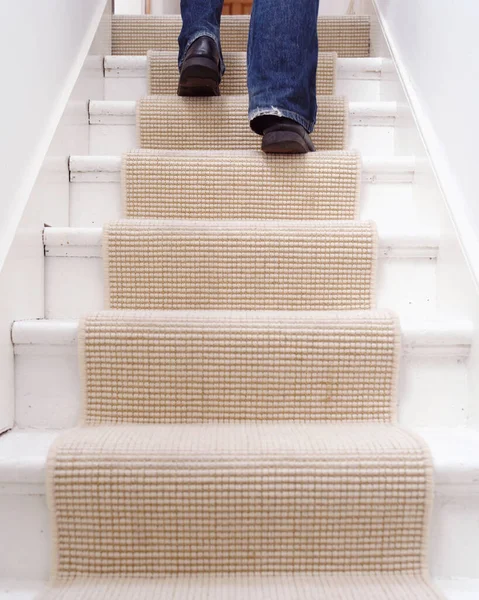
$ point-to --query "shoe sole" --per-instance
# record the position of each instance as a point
(199, 77)
(285, 142)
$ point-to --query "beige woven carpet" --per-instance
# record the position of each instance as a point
(221, 123)
(249, 451)
(348, 35)
(200, 366)
(163, 73)
(280, 587)
(240, 185)
(163, 500)
(307, 265)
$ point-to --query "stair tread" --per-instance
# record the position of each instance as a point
(388, 194)
(349, 35)
(455, 454)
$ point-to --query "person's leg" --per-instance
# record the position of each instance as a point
(200, 18)
(282, 62)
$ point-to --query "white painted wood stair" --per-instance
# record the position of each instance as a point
(434, 392)
(372, 126)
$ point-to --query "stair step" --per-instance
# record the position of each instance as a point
(455, 522)
(239, 498)
(359, 79)
(347, 35)
(432, 386)
(74, 275)
(270, 366)
(371, 126)
(389, 194)
(162, 73)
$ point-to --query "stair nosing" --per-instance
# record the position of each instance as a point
(375, 169)
(456, 468)
(86, 242)
(363, 68)
(420, 337)
(123, 112)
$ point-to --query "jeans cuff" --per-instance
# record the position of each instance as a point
(193, 39)
(281, 112)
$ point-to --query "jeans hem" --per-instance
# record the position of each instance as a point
(193, 39)
(281, 112)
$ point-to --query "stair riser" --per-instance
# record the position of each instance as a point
(134, 88)
(24, 521)
(119, 138)
(391, 205)
(74, 285)
(48, 393)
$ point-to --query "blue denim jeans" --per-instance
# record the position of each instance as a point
(282, 54)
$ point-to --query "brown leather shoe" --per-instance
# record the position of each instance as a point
(286, 136)
(200, 71)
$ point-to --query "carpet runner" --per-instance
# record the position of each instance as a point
(238, 438)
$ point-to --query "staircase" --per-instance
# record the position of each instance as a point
(249, 369)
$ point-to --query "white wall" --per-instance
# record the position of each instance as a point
(42, 45)
(52, 65)
(437, 46)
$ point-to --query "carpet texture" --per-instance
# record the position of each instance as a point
(201, 366)
(163, 73)
(168, 184)
(221, 123)
(185, 264)
(348, 35)
(164, 500)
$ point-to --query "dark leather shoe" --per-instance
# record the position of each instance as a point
(200, 71)
(286, 136)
